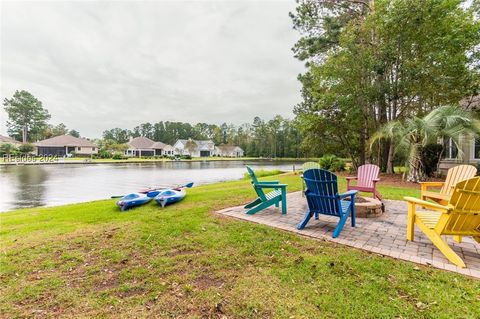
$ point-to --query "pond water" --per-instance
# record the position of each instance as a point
(49, 185)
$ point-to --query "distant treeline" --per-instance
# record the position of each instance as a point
(277, 137)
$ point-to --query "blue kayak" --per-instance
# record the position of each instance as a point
(132, 200)
(170, 196)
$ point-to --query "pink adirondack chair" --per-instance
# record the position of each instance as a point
(367, 178)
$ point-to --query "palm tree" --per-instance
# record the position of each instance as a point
(413, 134)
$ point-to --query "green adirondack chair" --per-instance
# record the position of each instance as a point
(277, 194)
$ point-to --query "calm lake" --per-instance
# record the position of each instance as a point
(50, 185)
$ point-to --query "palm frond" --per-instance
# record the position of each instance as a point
(410, 135)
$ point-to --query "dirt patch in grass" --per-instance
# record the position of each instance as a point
(106, 280)
(206, 281)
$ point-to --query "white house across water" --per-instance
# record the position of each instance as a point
(194, 148)
(205, 148)
(142, 146)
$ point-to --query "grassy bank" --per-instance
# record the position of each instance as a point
(185, 261)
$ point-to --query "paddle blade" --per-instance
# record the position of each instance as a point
(117, 196)
(189, 185)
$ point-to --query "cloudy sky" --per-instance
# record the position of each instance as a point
(102, 64)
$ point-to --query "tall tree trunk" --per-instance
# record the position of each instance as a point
(390, 168)
(362, 147)
(416, 172)
(382, 120)
(24, 134)
(384, 145)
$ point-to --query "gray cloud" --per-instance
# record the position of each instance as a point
(98, 65)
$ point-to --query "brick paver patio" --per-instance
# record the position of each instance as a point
(384, 235)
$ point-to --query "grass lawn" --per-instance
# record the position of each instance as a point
(185, 261)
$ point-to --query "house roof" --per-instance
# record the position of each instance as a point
(198, 142)
(7, 139)
(201, 144)
(141, 142)
(146, 143)
(158, 145)
(65, 140)
(182, 141)
(205, 144)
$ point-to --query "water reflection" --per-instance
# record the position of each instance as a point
(40, 185)
(30, 185)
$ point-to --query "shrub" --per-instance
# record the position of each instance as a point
(26, 148)
(430, 156)
(104, 154)
(339, 166)
(118, 156)
(15, 152)
(186, 157)
(7, 149)
(478, 169)
(332, 163)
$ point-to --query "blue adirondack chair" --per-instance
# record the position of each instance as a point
(277, 194)
(323, 198)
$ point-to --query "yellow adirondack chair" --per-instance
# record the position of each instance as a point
(455, 175)
(460, 217)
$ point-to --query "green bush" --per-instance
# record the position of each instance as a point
(103, 154)
(15, 152)
(7, 149)
(118, 156)
(26, 148)
(186, 157)
(332, 163)
(430, 156)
